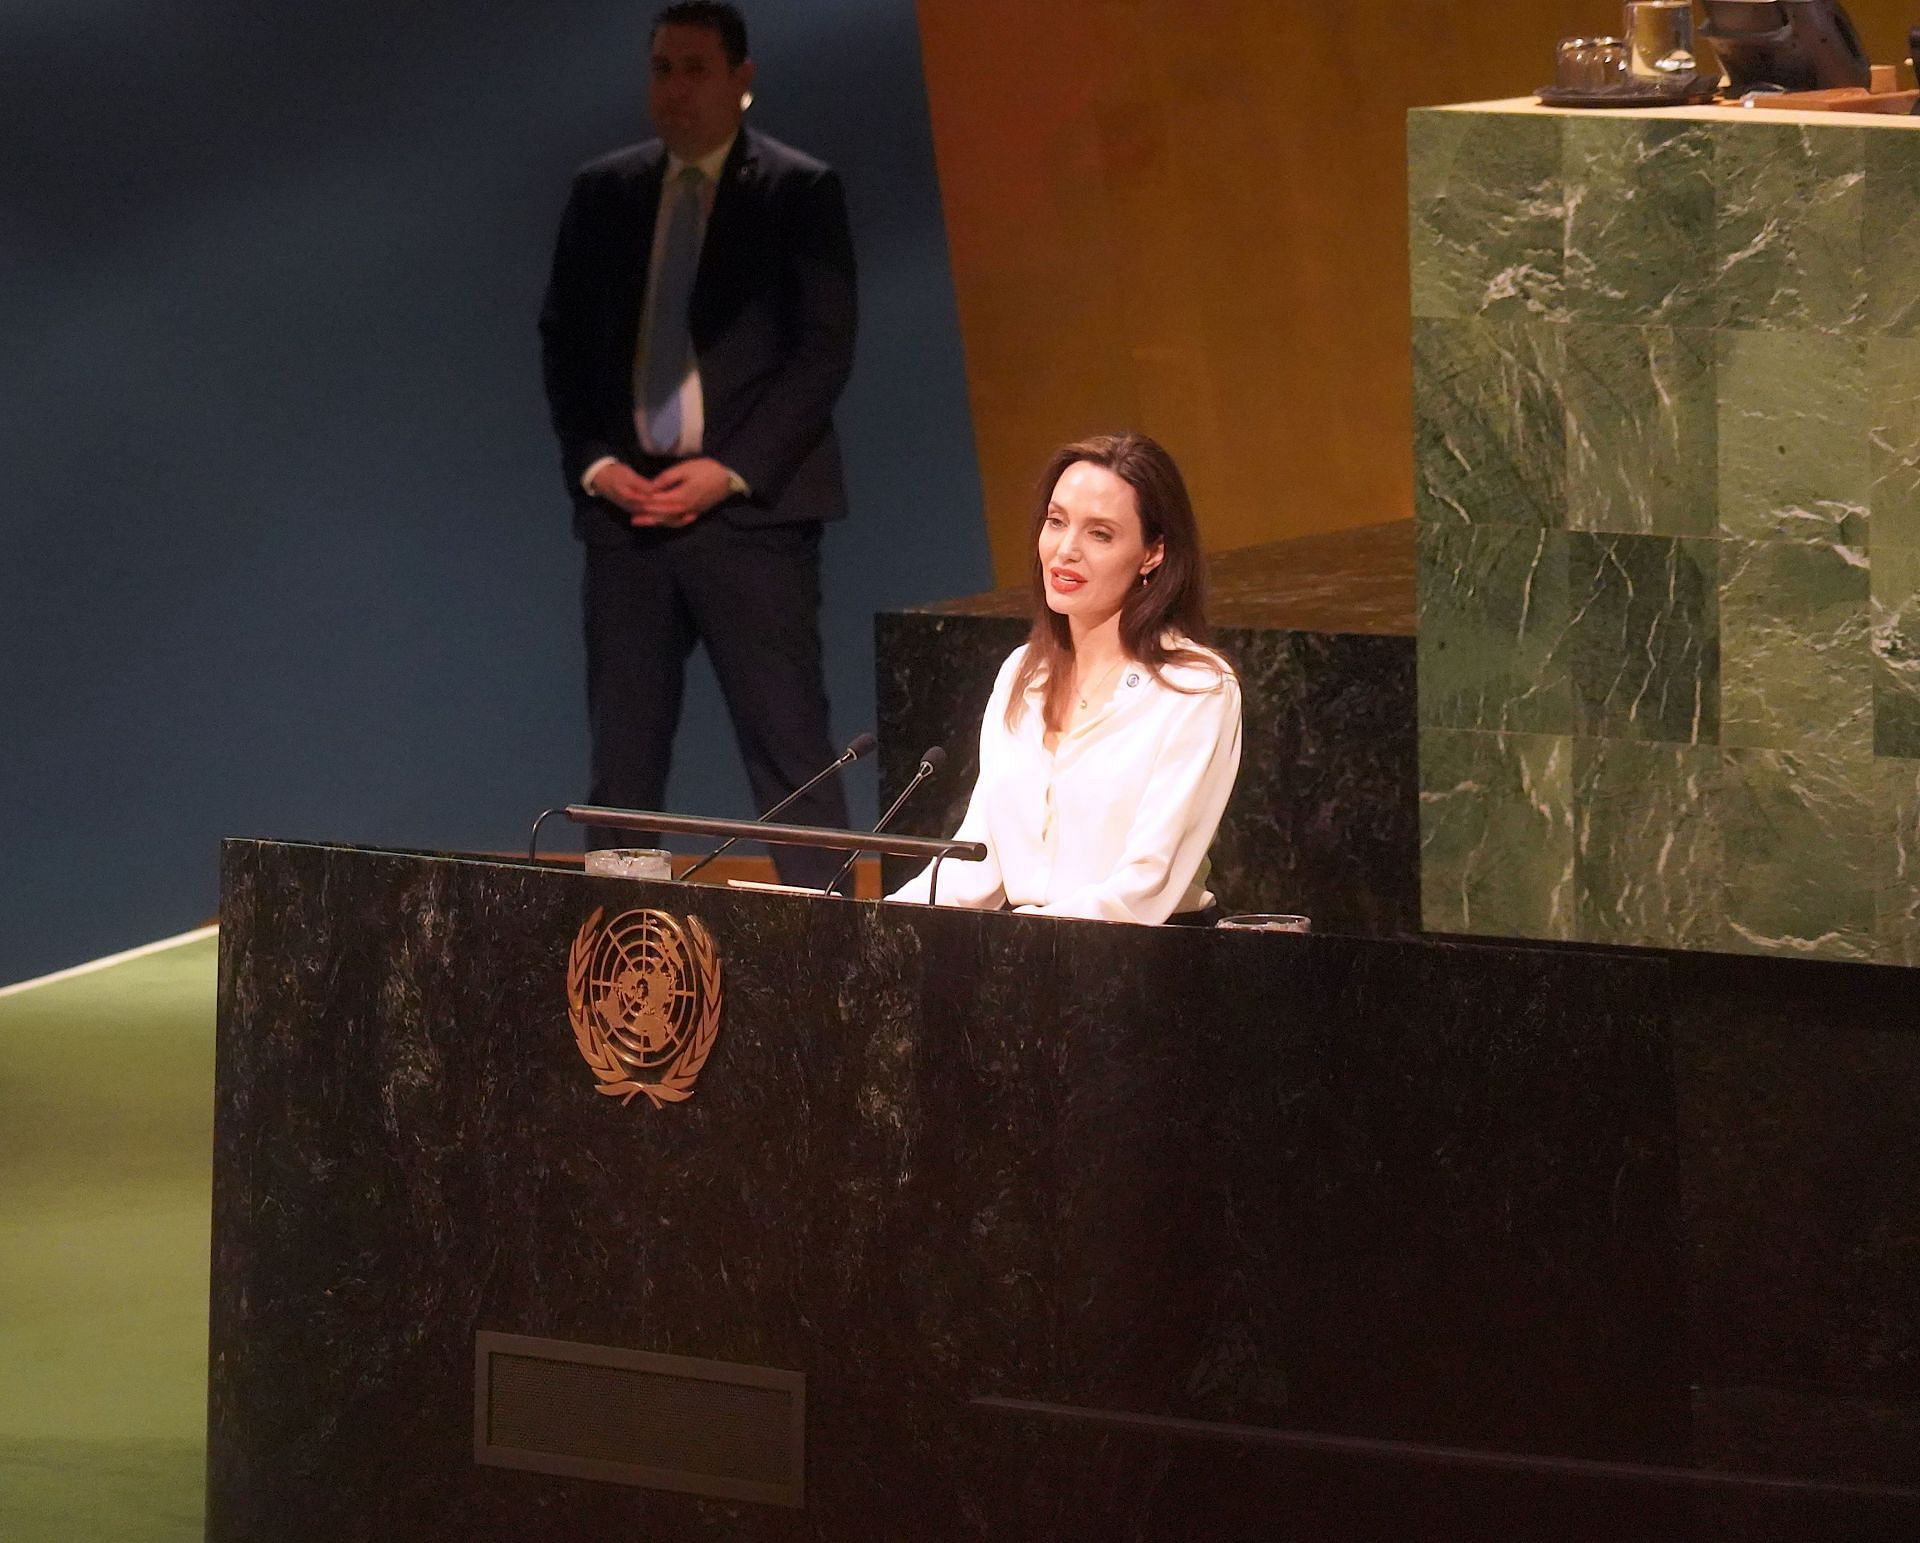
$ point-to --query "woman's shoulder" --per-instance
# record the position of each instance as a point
(1009, 670)
(1193, 667)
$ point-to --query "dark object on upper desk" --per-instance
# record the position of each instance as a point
(1799, 45)
(1635, 91)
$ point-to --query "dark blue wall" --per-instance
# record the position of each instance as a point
(285, 551)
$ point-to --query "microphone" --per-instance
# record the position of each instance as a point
(931, 762)
(862, 745)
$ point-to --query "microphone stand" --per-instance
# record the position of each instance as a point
(930, 763)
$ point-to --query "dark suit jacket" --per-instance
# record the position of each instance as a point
(772, 322)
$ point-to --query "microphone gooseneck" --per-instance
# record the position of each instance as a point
(861, 745)
(931, 762)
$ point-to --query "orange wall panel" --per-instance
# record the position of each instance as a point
(1189, 217)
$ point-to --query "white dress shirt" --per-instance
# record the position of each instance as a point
(1114, 822)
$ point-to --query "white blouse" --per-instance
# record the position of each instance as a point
(1114, 823)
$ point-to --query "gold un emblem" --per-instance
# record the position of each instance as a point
(643, 996)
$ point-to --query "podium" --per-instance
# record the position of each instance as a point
(972, 1226)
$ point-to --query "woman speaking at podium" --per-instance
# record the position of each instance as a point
(1112, 737)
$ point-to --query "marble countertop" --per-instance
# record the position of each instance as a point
(1718, 112)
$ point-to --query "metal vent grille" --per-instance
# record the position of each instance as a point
(634, 1417)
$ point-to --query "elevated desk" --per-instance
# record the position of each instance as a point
(1667, 479)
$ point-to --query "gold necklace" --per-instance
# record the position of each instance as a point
(1104, 675)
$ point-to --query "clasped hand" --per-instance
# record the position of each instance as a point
(678, 496)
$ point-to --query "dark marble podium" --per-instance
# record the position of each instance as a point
(1074, 1230)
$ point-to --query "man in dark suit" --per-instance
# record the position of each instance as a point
(697, 330)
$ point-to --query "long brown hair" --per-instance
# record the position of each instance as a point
(1173, 598)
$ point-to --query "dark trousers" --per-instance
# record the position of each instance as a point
(752, 596)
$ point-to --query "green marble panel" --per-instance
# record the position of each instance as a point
(1640, 221)
(1667, 400)
(1796, 662)
(1485, 214)
(1643, 637)
(1648, 854)
(1793, 437)
(1489, 429)
(1789, 220)
(1801, 872)
(1895, 588)
(1896, 818)
(1891, 237)
(1496, 833)
(1642, 430)
(1893, 405)
(1493, 612)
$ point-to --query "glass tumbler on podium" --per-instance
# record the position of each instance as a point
(630, 863)
(1270, 921)
(1589, 64)
(1660, 37)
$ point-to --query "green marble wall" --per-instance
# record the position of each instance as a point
(1667, 478)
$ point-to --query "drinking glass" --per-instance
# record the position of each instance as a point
(1573, 64)
(1590, 64)
(1660, 36)
(630, 863)
(1267, 921)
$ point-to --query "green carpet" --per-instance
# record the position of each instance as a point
(106, 1153)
